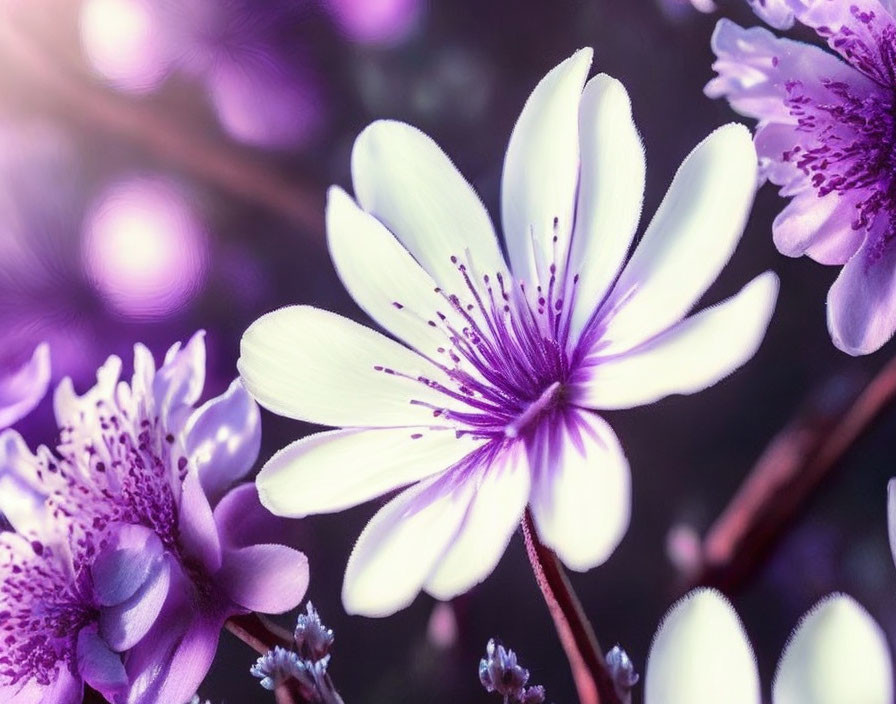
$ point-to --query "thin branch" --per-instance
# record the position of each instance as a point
(786, 477)
(259, 633)
(73, 95)
(589, 669)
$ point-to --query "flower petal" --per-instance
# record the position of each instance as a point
(383, 277)
(124, 563)
(820, 228)
(22, 494)
(837, 654)
(581, 493)
(223, 437)
(316, 366)
(178, 383)
(126, 623)
(777, 13)
(334, 470)
(22, 389)
(862, 301)
(701, 655)
(198, 532)
(541, 169)
(243, 521)
(100, 667)
(271, 579)
(611, 188)
(402, 177)
(500, 498)
(689, 240)
(403, 543)
(689, 357)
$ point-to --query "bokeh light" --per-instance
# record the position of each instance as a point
(376, 21)
(144, 248)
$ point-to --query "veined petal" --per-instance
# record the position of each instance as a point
(701, 655)
(403, 543)
(316, 366)
(23, 389)
(541, 169)
(502, 492)
(689, 240)
(581, 492)
(382, 276)
(837, 654)
(223, 437)
(402, 177)
(611, 188)
(334, 470)
(689, 357)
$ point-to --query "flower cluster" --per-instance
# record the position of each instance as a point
(306, 666)
(500, 673)
(826, 138)
(129, 549)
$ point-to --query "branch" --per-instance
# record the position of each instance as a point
(786, 477)
(593, 681)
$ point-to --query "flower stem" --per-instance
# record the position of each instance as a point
(589, 669)
(786, 476)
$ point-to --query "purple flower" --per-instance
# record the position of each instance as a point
(128, 540)
(491, 407)
(701, 655)
(826, 137)
(23, 388)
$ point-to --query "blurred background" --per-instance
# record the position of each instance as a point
(163, 165)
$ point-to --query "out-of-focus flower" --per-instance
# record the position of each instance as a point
(260, 87)
(679, 9)
(23, 388)
(701, 655)
(826, 137)
(499, 672)
(442, 628)
(375, 21)
(490, 408)
(144, 248)
(134, 544)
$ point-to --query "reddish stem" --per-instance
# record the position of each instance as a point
(589, 669)
(785, 478)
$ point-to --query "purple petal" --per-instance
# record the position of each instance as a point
(243, 521)
(22, 494)
(178, 382)
(198, 532)
(125, 624)
(777, 13)
(223, 438)
(862, 301)
(126, 562)
(100, 667)
(267, 578)
(65, 688)
(821, 228)
(22, 389)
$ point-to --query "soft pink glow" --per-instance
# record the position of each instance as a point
(376, 21)
(121, 42)
(144, 248)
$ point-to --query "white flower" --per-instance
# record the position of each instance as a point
(701, 655)
(490, 407)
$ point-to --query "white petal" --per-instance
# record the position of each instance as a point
(689, 240)
(334, 470)
(22, 389)
(701, 655)
(891, 516)
(689, 357)
(581, 494)
(498, 504)
(382, 276)
(68, 406)
(541, 169)
(402, 177)
(837, 654)
(402, 544)
(611, 188)
(316, 366)
(22, 493)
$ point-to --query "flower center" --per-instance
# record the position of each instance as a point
(504, 353)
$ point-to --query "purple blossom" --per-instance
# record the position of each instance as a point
(826, 137)
(500, 672)
(23, 388)
(130, 552)
(491, 407)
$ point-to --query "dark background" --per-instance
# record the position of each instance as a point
(461, 74)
